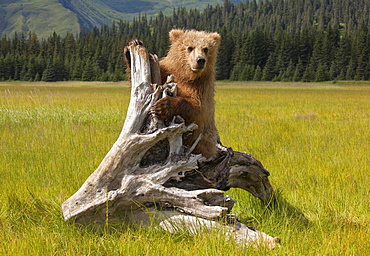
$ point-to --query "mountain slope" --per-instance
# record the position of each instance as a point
(42, 17)
(46, 16)
(99, 12)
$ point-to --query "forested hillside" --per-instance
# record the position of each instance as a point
(291, 40)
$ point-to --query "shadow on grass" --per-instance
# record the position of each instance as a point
(280, 207)
(278, 210)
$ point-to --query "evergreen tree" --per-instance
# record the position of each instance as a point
(9, 67)
(37, 77)
(307, 74)
(350, 73)
(341, 59)
(225, 53)
(317, 53)
(33, 44)
(288, 74)
(31, 69)
(257, 74)
(88, 71)
(268, 72)
(50, 73)
(77, 69)
(362, 53)
(298, 72)
(320, 75)
(236, 73)
(2, 68)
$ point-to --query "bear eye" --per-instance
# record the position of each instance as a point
(205, 50)
(190, 49)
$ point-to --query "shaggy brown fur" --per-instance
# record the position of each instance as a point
(191, 59)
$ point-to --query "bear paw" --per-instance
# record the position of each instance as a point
(126, 51)
(163, 109)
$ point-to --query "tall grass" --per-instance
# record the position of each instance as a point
(314, 139)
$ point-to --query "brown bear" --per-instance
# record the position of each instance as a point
(191, 59)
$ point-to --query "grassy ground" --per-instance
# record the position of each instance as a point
(313, 138)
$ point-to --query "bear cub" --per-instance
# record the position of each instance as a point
(191, 59)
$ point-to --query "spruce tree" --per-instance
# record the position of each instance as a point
(77, 69)
(307, 74)
(257, 74)
(2, 68)
(298, 72)
(320, 75)
(37, 77)
(88, 71)
(289, 72)
(350, 73)
(49, 74)
(225, 53)
(268, 72)
(236, 73)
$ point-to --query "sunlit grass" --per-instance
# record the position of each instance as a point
(313, 138)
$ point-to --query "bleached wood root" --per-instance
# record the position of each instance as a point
(148, 173)
(244, 235)
(126, 179)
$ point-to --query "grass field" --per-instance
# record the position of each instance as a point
(313, 138)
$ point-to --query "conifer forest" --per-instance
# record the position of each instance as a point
(262, 40)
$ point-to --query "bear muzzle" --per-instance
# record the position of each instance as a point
(199, 64)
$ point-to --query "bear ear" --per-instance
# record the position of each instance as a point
(216, 37)
(175, 34)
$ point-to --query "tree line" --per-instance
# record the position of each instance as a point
(265, 40)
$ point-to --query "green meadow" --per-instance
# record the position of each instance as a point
(313, 138)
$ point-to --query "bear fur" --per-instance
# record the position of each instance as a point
(191, 59)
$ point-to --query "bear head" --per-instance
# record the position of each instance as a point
(194, 52)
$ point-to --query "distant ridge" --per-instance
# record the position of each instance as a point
(62, 16)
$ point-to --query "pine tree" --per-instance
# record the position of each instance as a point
(225, 51)
(31, 69)
(362, 53)
(317, 52)
(77, 69)
(257, 74)
(37, 77)
(350, 73)
(289, 72)
(298, 72)
(236, 73)
(2, 68)
(49, 74)
(320, 75)
(9, 67)
(307, 74)
(245, 73)
(268, 72)
(88, 72)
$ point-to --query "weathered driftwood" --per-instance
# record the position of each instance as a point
(149, 172)
(229, 169)
(242, 234)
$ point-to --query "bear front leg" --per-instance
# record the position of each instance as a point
(168, 107)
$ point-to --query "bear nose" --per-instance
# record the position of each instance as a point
(201, 61)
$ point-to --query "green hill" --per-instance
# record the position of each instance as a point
(62, 16)
(42, 17)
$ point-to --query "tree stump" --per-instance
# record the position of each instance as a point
(149, 175)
